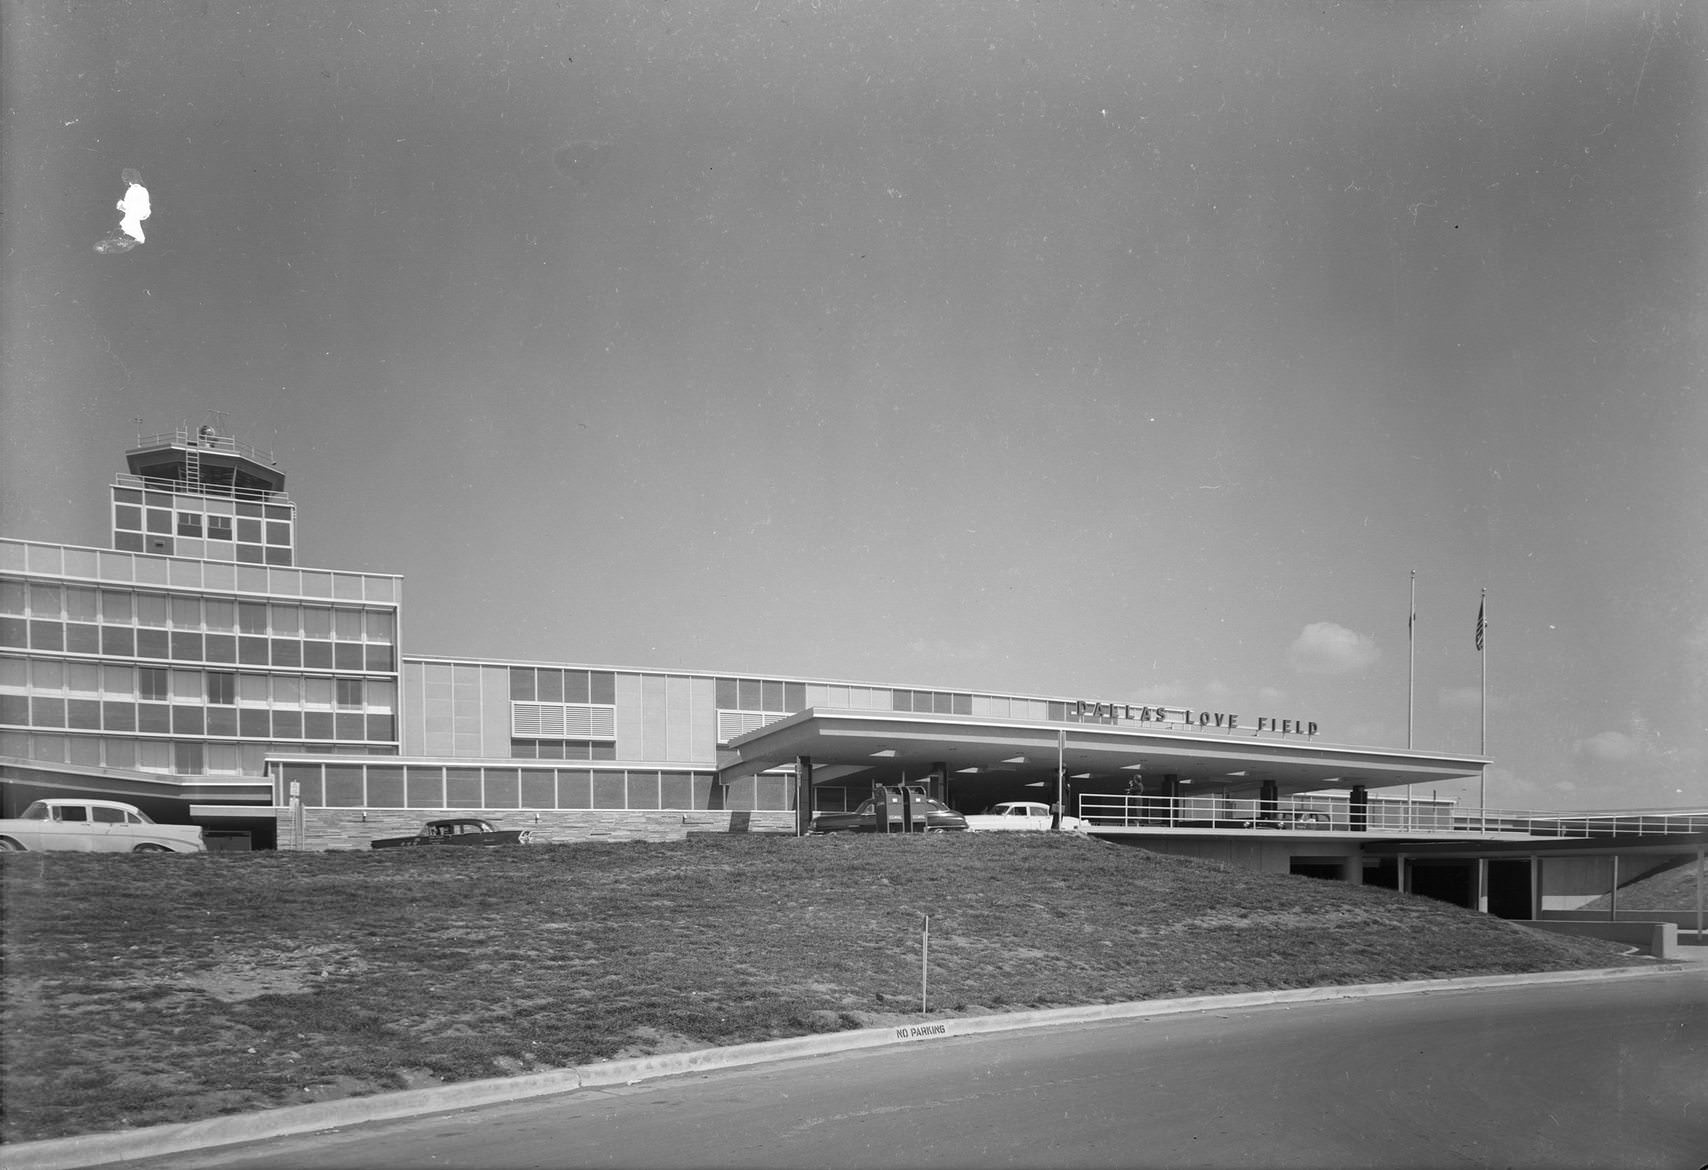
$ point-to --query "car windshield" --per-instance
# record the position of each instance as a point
(36, 812)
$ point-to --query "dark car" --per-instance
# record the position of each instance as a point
(457, 831)
(931, 816)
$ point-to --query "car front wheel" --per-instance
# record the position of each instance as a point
(7, 845)
(150, 847)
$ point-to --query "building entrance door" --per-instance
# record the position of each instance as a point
(1509, 888)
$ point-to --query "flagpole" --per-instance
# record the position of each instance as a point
(1483, 653)
(1411, 680)
(1411, 661)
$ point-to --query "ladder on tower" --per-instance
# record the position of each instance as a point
(193, 462)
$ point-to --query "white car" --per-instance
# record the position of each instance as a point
(1016, 815)
(95, 826)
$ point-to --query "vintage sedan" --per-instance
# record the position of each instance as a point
(1016, 815)
(930, 816)
(457, 831)
(95, 826)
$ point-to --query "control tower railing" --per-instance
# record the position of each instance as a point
(231, 491)
(203, 439)
(195, 442)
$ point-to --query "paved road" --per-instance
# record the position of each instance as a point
(1596, 1074)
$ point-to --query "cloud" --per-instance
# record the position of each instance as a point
(1611, 747)
(1270, 696)
(1638, 768)
(1325, 648)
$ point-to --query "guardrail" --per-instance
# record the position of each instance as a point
(1304, 814)
(207, 441)
(204, 488)
(1635, 823)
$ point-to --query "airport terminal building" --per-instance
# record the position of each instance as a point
(197, 669)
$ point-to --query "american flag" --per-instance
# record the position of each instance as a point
(1480, 626)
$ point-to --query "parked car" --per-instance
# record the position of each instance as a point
(457, 831)
(937, 817)
(95, 826)
(1014, 815)
(1290, 818)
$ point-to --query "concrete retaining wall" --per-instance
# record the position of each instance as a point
(1683, 919)
(325, 828)
(1261, 855)
(1659, 939)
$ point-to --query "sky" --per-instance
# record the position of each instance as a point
(1138, 353)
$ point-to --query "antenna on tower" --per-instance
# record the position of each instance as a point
(137, 419)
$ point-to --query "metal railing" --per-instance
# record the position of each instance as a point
(204, 488)
(1631, 823)
(1305, 814)
(206, 441)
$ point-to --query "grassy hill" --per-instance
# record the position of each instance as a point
(1670, 889)
(143, 989)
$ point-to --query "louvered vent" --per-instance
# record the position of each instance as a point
(562, 721)
(734, 723)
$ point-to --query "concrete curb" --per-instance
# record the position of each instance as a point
(157, 1141)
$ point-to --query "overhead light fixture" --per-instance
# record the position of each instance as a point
(1236, 773)
(1080, 776)
(1015, 760)
(1132, 768)
(887, 753)
(966, 771)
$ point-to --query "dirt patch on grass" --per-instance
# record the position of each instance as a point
(268, 971)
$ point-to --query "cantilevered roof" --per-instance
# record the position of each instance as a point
(886, 747)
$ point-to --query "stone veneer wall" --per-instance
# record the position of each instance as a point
(325, 828)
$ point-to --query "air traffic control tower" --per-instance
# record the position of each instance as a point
(200, 493)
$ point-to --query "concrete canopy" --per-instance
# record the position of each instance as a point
(993, 759)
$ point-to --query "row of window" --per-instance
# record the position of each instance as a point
(164, 522)
(552, 685)
(932, 702)
(185, 757)
(212, 550)
(132, 496)
(774, 696)
(432, 786)
(118, 567)
(176, 646)
(755, 694)
(562, 749)
(215, 719)
(52, 601)
(51, 676)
